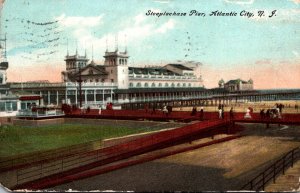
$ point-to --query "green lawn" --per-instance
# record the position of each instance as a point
(19, 140)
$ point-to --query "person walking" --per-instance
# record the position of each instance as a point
(201, 114)
(165, 110)
(220, 113)
(247, 115)
(262, 114)
(99, 110)
(231, 115)
(153, 110)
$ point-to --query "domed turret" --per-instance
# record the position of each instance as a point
(221, 83)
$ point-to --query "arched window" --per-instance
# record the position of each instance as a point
(138, 84)
(166, 85)
(131, 84)
(153, 84)
(146, 84)
(178, 84)
(120, 61)
(183, 85)
(190, 84)
(172, 85)
(160, 85)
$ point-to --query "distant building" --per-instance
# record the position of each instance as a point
(236, 85)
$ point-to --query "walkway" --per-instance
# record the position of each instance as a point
(185, 116)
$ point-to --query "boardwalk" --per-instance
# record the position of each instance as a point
(287, 118)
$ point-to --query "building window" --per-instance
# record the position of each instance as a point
(160, 85)
(166, 85)
(102, 80)
(97, 80)
(178, 84)
(146, 84)
(153, 84)
(138, 85)
(190, 84)
(172, 85)
(112, 80)
(131, 84)
(183, 85)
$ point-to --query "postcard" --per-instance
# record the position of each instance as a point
(149, 95)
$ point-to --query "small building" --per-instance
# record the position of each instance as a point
(236, 85)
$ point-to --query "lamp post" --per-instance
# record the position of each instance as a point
(80, 84)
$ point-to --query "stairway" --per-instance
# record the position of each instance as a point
(290, 181)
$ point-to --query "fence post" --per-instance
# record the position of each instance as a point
(263, 185)
(283, 165)
(274, 173)
(17, 176)
(41, 170)
(292, 158)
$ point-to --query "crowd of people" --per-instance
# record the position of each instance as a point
(275, 112)
(271, 112)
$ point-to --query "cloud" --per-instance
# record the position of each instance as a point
(240, 2)
(166, 26)
(139, 19)
(263, 62)
(75, 21)
(129, 35)
(296, 1)
(1, 3)
(295, 53)
(162, 1)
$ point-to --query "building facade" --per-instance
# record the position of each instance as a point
(115, 71)
(236, 85)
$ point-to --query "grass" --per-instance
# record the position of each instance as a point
(16, 140)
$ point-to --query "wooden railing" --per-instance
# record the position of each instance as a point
(279, 167)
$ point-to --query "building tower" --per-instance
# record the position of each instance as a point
(117, 68)
(75, 62)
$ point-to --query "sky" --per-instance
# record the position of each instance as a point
(266, 49)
